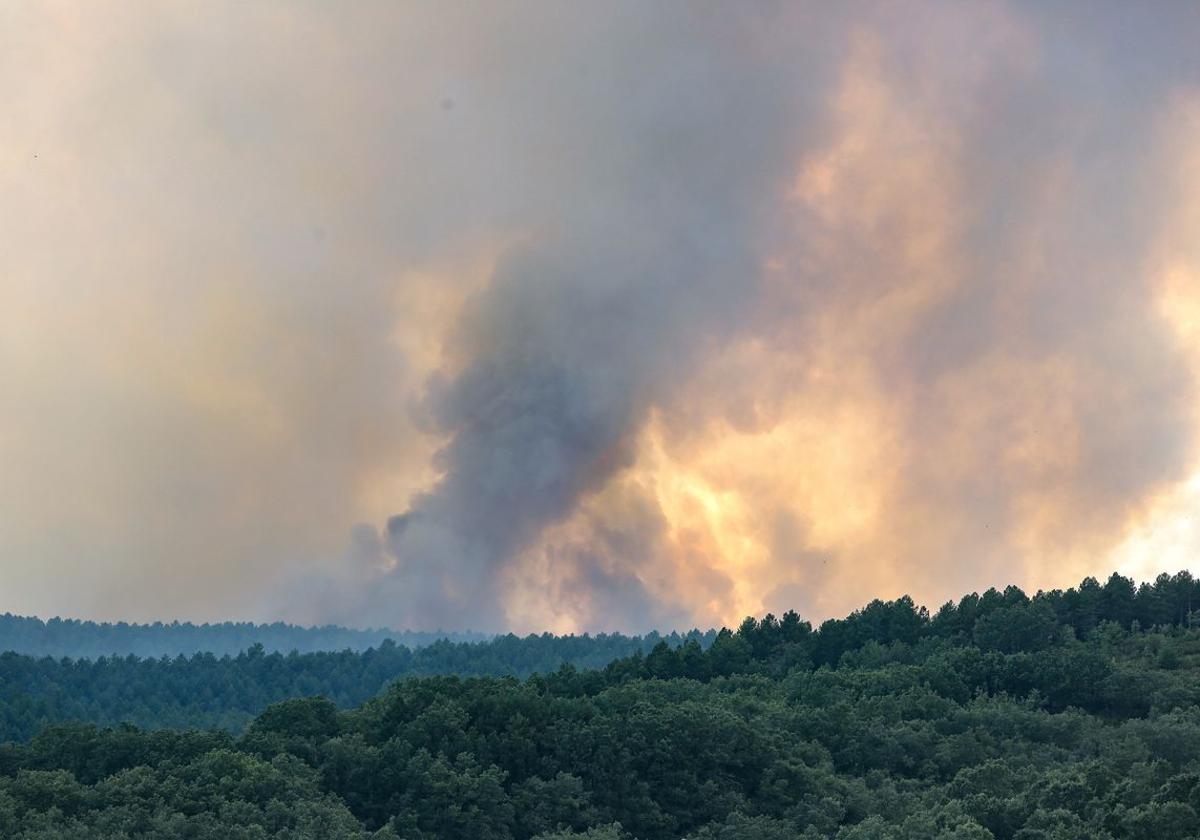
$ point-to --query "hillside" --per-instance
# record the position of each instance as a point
(1068, 715)
(77, 639)
(204, 690)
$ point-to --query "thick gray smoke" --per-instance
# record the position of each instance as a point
(622, 286)
(951, 142)
(625, 314)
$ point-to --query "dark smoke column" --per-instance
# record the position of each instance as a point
(639, 265)
(569, 347)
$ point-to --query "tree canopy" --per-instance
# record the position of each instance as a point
(1067, 715)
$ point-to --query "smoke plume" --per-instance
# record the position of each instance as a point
(593, 317)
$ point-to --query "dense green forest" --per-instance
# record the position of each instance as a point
(90, 639)
(204, 690)
(1067, 716)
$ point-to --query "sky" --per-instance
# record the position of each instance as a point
(579, 317)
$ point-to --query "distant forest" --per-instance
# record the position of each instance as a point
(205, 690)
(1071, 715)
(90, 639)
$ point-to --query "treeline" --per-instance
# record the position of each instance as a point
(204, 690)
(999, 717)
(1006, 621)
(89, 639)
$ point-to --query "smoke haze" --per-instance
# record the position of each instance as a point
(565, 317)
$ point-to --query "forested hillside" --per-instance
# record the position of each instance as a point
(90, 639)
(1071, 715)
(204, 690)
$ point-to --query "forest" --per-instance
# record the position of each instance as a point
(205, 690)
(89, 639)
(1072, 714)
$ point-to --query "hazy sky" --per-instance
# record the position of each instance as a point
(592, 315)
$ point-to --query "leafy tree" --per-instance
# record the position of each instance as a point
(1021, 627)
